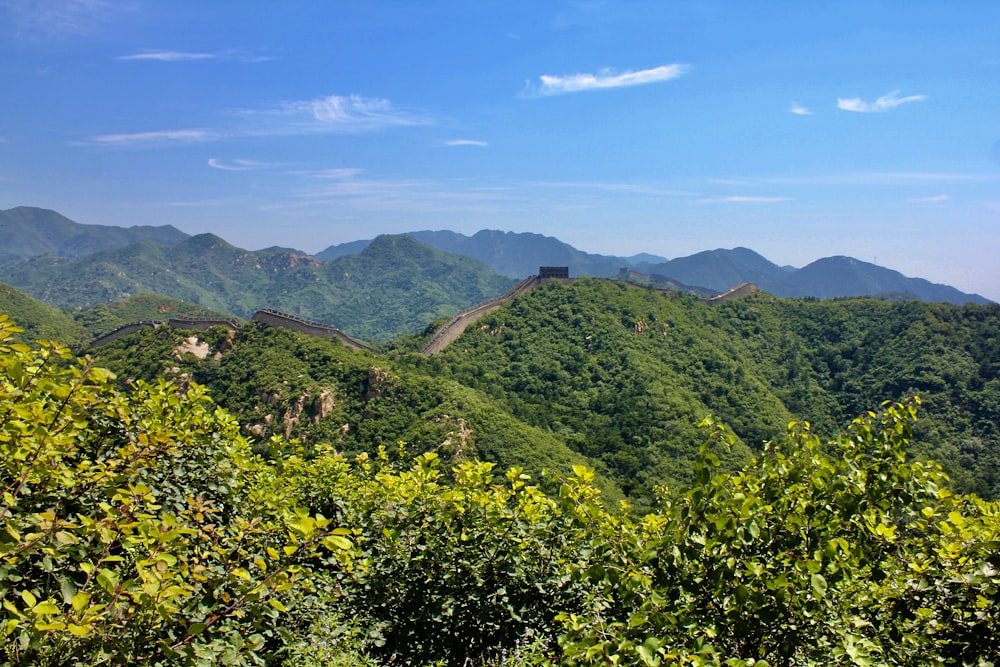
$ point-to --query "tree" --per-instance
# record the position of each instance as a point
(137, 527)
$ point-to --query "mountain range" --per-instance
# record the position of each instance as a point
(26, 231)
(382, 288)
(394, 287)
(712, 271)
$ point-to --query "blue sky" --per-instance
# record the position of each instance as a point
(801, 130)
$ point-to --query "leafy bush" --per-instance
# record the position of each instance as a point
(136, 528)
(857, 557)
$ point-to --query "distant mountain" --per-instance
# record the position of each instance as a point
(825, 278)
(27, 232)
(514, 254)
(338, 251)
(396, 286)
(721, 269)
(832, 277)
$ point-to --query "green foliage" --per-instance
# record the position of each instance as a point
(857, 557)
(453, 569)
(139, 528)
(136, 527)
(617, 377)
(279, 383)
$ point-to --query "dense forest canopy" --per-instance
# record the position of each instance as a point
(616, 377)
(139, 527)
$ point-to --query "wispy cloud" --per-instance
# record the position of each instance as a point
(335, 173)
(861, 178)
(152, 138)
(799, 110)
(935, 199)
(557, 85)
(411, 195)
(187, 56)
(239, 165)
(465, 142)
(743, 199)
(924, 176)
(168, 56)
(883, 103)
(333, 113)
(618, 188)
(62, 17)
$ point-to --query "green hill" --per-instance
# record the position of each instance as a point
(395, 286)
(277, 382)
(39, 320)
(620, 376)
(624, 373)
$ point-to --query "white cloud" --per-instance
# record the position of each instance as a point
(935, 199)
(465, 142)
(187, 56)
(333, 113)
(237, 164)
(739, 199)
(404, 195)
(860, 178)
(799, 110)
(147, 138)
(168, 56)
(558, 85)
(883, 103)
(355, 110)
(337, 173)
(917, 176)
(624, 188)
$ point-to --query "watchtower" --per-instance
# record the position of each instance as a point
(553, 272)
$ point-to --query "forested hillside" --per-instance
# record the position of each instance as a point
(625, 373)
(141, 529)
(394, 287)
(40, 319)
(279, 383)
(620, 376)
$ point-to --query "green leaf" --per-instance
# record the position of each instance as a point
(45, 609)
(648, 651)
(818, 584)
(333, 542)
(29, 598)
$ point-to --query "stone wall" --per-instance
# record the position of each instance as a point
(279, 320)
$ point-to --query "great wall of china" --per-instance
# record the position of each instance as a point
(266, 316)
(441, 339)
